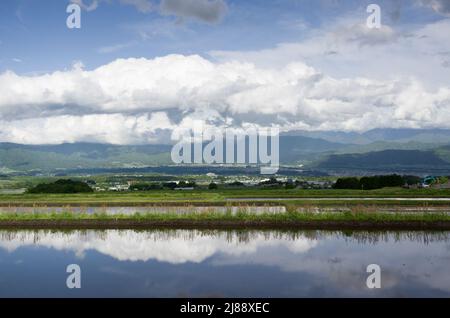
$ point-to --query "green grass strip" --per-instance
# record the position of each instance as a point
(243, 216)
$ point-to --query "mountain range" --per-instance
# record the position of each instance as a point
(379, 149)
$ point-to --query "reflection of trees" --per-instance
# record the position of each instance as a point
(412, 236)
(231, 236)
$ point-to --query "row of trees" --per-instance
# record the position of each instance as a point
(62, 186)
(175, 185)
(375, 182)
(162, 186)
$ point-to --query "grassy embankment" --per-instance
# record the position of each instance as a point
(356, 219)
(226, 197)
(361, 214)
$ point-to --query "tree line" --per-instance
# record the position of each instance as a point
(62, 186)
(375, 182)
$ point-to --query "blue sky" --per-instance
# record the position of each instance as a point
(35, 33)
(138, 70)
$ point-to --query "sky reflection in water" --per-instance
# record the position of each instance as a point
(181, 263)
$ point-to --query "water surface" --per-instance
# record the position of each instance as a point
(182, 210)
(189, 263)
(130, 210)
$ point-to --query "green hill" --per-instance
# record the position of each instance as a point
(385, 159)
(71, 156)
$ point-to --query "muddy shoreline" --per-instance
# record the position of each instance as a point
(226, 225)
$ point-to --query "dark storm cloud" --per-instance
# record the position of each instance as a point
(210, 11)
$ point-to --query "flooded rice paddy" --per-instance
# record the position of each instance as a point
(194, 263)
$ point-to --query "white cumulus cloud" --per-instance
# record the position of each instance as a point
(340, 78)
(126, 100)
